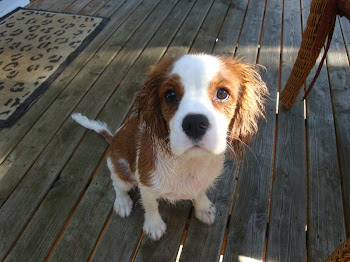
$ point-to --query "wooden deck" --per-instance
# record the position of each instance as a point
(287, 200)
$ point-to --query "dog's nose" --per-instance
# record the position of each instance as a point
(195, 126)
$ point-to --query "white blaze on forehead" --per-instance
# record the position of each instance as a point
(196, 71)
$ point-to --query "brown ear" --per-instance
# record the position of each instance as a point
(148, 103)
(250, 103)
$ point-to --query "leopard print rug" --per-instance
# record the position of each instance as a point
(35, 47)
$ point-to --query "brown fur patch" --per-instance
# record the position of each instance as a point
(229, 82)
(107, 136)
(146, 163)
(250, 101)
(171, 84)
(123, 149)
(148, 104)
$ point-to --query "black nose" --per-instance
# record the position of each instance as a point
(195, 126)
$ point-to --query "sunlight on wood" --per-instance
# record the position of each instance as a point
(179, 254)
(277, 102)
(247, 259)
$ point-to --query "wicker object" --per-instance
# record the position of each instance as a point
(320, 23)
(342, 254)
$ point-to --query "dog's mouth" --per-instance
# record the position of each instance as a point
(196, 150)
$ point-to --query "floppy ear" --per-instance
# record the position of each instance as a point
(148, 103)
(250, 103)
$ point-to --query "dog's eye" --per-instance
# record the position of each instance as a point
(170, 97)
(222, 94)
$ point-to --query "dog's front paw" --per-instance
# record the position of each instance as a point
(155, 229)
(123, 205)
(206, 215)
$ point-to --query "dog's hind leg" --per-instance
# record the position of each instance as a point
(123, 202)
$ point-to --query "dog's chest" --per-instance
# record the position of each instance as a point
(184, 178)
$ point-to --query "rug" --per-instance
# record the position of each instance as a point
(35, 47)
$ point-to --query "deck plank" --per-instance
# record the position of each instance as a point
(326, 228)
(286, 236)
(208, 33)
(247, 49)
(121, 235)
(42, 4)
(248, 224)
(228, 38)
(77, 6)
(345, 26)
(183, 40)
(79, 238)
(326, 225)
(48, 5)
(61, 5)
(95, 5)
(339, 74)
(108, 9)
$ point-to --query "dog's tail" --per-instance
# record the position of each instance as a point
(97, 126)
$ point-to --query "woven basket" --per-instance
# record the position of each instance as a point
(342, 254)
(308, 52)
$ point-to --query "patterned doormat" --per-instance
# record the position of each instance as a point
(35, 47)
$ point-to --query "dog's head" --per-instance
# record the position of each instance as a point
(201, 103)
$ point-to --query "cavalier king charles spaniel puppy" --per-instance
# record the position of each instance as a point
(189, 111)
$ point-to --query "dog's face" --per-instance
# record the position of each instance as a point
(200, 103)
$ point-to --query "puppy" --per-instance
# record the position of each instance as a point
(189, 111)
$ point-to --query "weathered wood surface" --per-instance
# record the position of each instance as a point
(286, 236)
(326, 226)
(339, 78)
(345, 172)
(56, 197)
(230, 31)
(345, 28)
(252, 195)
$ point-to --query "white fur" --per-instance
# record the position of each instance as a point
(123, 202)
(154, 225)
(97, 126)
(196, 73)
(176, 178)
(205, 210)
(185, 176)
